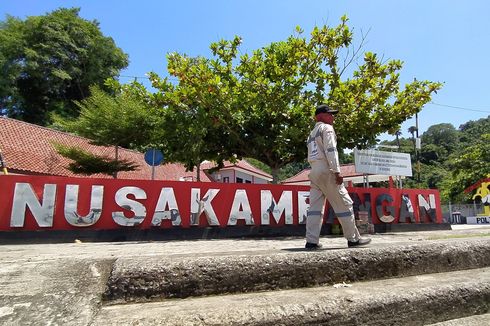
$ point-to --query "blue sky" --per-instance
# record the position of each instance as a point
(438, 40)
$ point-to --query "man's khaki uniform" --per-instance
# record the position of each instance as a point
(324, 161)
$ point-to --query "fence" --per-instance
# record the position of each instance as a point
(457, 213)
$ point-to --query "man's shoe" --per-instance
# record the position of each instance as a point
(359, 243)
(313, 246)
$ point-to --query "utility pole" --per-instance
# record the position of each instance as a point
(418, 146)
(414, 131)
(399, 178)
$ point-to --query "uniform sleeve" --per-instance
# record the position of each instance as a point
(330, 148)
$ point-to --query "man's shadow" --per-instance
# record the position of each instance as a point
(314, 250)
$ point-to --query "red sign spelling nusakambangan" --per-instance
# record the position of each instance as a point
(61, 203)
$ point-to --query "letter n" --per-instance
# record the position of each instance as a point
(427, 209)
(24, 196)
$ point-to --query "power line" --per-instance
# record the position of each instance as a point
(144, 77)
(125, 76)
(459, 107)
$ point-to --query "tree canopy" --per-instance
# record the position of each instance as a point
(49, 61)
(123, 118)
(119, 119)
(86, 163)
(469, 162)
(443, 135)
(260, 105)
(452, 159)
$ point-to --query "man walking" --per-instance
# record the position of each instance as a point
(327, 182)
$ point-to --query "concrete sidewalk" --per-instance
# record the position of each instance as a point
(62, 284)
(113, 250)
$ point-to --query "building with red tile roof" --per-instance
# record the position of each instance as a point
(28, 149)
(239, 172)
(348, 171)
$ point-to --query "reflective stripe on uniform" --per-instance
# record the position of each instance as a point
(344, 214)
(312, 138)
(313, 213)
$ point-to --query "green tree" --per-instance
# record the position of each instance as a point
(443, 135)
(413, 130)
(404, 145)
(432, 153)
(451, 159)
(49, 61)
(472, 130)
(467, 166)
(125, 119)
(86, 163)
(455, 159)
(193, 127)
(292, 169)
(261, 105)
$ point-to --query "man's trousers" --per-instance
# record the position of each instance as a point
(323, 185)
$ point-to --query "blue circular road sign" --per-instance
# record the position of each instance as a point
(153, 157)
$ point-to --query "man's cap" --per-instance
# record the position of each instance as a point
(323, 108)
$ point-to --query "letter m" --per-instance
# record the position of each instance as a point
(269, 205)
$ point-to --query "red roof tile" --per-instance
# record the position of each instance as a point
(28, 149)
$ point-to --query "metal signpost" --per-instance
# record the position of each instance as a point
(153, 157)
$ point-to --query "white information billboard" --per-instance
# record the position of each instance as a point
(378, 162)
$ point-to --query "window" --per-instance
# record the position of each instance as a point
(239, 180)
(248, 181)
(226, 179)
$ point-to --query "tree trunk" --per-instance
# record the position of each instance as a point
(117, 158)
(275, 175)
(198, 172)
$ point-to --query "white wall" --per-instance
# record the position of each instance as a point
(232, 175)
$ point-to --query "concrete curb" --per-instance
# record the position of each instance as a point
(416, 300)
(52, 292)
(476, 320)
(140, 279)
(180, 233)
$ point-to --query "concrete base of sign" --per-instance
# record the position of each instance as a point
(193, 233)
(411, 227)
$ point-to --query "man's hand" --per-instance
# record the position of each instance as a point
(338, 178)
